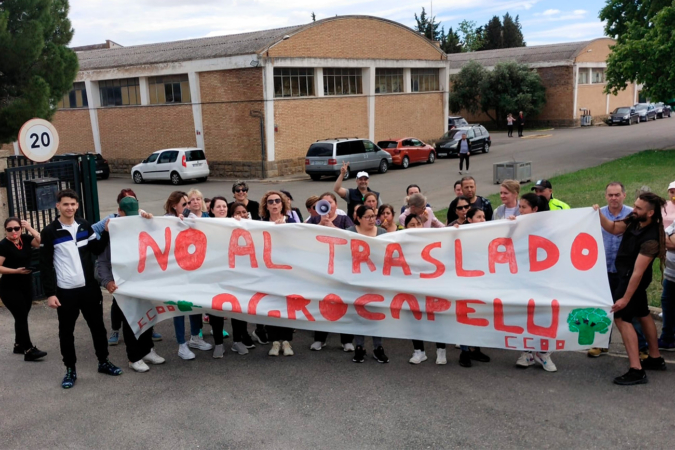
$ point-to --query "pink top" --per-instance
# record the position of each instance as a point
(669, 214)
(432, 221)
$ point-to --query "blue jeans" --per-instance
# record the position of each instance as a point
(179, 326)
(668, 307)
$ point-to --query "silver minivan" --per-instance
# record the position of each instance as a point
(325, 157)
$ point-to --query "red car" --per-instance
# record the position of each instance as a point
(406, 151)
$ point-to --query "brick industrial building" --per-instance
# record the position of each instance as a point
(256, 101)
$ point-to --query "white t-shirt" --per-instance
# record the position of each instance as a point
(508, 212)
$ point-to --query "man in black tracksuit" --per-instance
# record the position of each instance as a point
(67, 273)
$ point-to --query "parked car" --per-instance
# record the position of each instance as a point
(662, 110)
(646, 111)
(406, 151)
(102, 167)
(623, 115)
(457, 121)
(325, 157)
(172, 164)
(478, 137)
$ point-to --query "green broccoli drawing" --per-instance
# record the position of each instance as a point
(183, 305)
(587, 322)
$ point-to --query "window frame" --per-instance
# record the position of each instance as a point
(389, 78)
(112, 92)
(160, 88)
(425, 80)
(350, 81)
(284, 78)
(70, 98)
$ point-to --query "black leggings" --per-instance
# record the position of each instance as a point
(463, 157)
(419, 345)
(238, 329)
(279, 333)
(510, 128)
(19, 302)
(116, 317)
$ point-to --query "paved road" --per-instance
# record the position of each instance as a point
(323, 400)
(565, 150)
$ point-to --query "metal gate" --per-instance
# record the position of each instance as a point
(31, 190)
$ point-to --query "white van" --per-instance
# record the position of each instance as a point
(172, 164)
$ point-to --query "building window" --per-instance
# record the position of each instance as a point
(76, 98)
(388, 81)
(122, 92)
(169, 89)
(424, 80)
(342, 82)
(598, 76)
(583, 76)
(293, 82)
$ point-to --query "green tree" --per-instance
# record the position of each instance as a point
(493, 34)
(36, 66)
(587, 322)
(509, 88)
(466, 88)
(644, 46)
(512, 32)
(450, 42)
(427, 26)
(471, 36)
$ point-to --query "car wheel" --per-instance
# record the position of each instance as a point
(432, 157)
(630, 122)
(315, 177)
(105, 176)
(138, 178)
(384, 166)
(405, 163)
(202, 179)
(176, 179)
(486, 148)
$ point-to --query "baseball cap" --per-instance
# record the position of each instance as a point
(362, 174)
(542, 184)
(671, 185)
(129, 205)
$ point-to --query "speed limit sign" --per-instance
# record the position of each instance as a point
(38, 140)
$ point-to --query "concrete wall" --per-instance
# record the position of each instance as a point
(357, 38)
(416, 115)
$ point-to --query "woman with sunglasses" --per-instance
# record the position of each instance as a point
(242, 341)
(174, 207)
(240, 191)
(274, 208)
(366, 226)
(16, 287)
(462, 206)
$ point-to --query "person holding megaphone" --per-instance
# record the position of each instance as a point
(326, 208)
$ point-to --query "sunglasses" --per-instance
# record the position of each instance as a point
(10, 229)
(463, 207)
(272, 201)
(240, 190)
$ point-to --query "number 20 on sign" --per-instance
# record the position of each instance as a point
(38, 140)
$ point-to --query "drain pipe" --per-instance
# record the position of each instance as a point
(261, 116)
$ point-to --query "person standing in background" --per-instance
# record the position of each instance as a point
(521, 124)
(464, 153)
(509, 124)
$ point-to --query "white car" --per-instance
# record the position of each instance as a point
(172, 164)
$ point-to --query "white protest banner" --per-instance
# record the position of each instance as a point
(537, 283)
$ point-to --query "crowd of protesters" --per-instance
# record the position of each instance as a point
(633, 239)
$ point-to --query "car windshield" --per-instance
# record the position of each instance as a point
(641, 107)
(387, 144)
(321, 150)
(622, 111)
(453, 134)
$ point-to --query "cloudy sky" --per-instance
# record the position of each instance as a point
(131, 22)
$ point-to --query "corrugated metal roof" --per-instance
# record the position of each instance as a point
(187, 50)
(553, 53)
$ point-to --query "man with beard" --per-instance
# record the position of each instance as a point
(643, 240)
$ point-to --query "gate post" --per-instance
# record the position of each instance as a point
(4, 207)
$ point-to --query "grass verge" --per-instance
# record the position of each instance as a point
(652, 169)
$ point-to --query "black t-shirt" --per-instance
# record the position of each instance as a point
(252, 207)
(14, 259)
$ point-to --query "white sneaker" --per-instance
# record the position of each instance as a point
(317, 345)
(545, 360)
(440, 356)
(526, 360)
(418, 357)
(348, 347)
(184, 352)
(199, 343)
(218, 351)
(240, 348)
(288, 350)
(139, 366)
(274, 351)
(153, 358)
